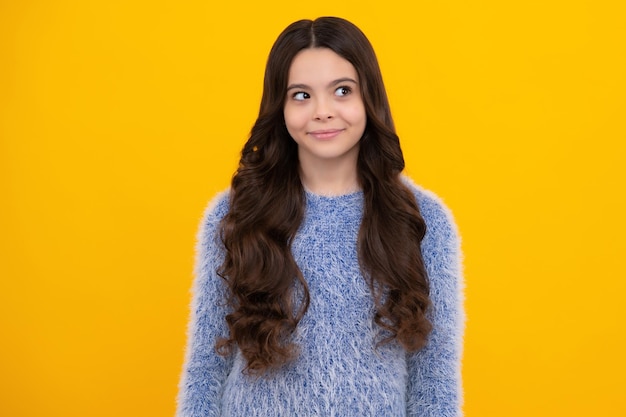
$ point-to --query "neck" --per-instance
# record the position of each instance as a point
(329, 179)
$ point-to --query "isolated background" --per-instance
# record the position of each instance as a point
(120, 119)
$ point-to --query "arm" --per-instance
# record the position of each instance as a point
(204, 371)
(435, 371)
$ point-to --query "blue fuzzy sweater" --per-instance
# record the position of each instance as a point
(338, 371)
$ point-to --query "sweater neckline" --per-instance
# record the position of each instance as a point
(333, 197)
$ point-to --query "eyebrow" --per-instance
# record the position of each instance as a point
(331, 84)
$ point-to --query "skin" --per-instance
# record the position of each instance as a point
(325, 115)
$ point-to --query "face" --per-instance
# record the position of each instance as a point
(324, 111)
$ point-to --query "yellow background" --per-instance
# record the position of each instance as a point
(120, 119)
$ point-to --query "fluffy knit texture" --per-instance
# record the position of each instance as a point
(339, 371)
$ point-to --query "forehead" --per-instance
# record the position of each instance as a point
(319, 65)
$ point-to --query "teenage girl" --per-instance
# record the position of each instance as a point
(327, 283)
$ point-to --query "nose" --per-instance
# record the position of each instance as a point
(323, 110)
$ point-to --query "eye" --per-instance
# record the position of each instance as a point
(343, 91)
(300, 96)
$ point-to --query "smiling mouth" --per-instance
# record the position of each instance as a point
(326, 133)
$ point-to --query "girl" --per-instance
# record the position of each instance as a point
(327, 284)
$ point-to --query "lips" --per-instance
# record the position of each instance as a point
(325, 133)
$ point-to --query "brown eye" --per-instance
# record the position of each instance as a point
(300, 95)
(343, 91)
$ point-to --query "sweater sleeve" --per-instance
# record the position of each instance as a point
(435, 388)
(204, 371)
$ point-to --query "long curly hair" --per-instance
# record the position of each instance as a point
(268, 293)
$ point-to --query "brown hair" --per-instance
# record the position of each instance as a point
(267, 204)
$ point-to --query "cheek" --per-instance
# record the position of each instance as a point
(356, 114)
(290, 122)
(294, 118)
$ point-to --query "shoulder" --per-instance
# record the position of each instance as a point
(215, 210)
(217, 207)
(213, 214)
(434, 211)
(440, 223)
